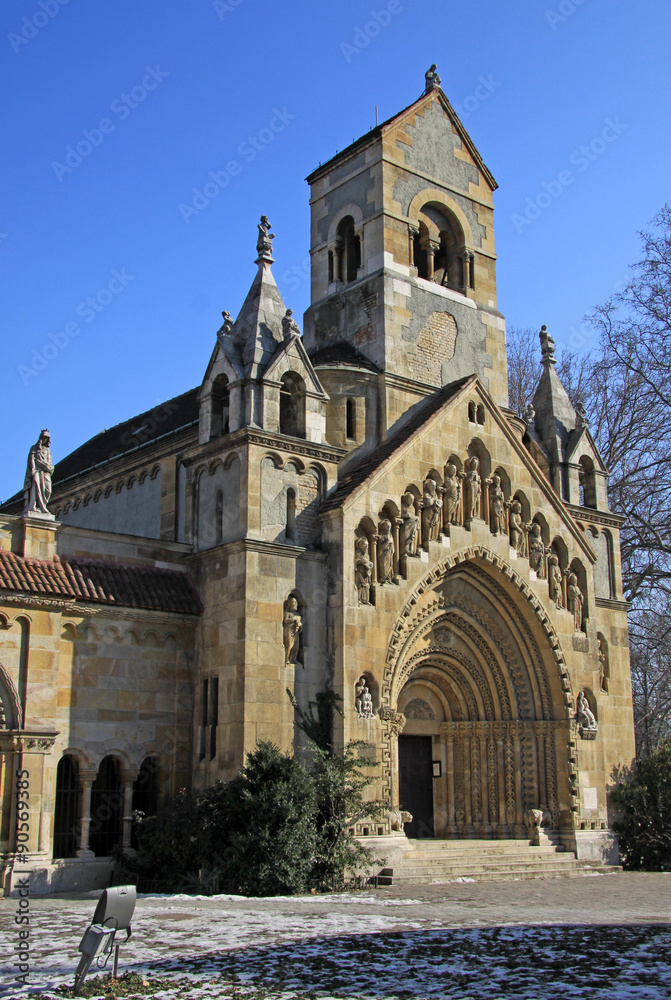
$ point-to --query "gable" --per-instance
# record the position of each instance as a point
(441, 432)
(292, 356)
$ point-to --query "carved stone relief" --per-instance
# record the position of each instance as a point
(363, 570)
(293, 628)
(385, 553)
(474, 488)
(537, 551)
(432, 506)
(419, 709)
(452, 494)
(410, 528)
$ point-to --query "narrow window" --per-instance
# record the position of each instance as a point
(351, 419)
(330, 266)
(290, 532)
(66, 819)
(220, 407)
(203, 721)
(471, 413)
(214, 715)
(471, 272)
(219, 518)
(481, 414)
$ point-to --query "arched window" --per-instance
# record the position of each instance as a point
(66, 818)
(351, 419)
(220, 407)
(471, 413)
(420, 243)
(292, 405)
(348, 250)
(145, 787)
(587, 482)
(106, 808)
(290, 531)
(439, 248)
(480, 414)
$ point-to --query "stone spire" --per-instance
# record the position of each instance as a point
(252, 340)
(555, 417)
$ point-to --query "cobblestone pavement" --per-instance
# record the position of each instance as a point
(183, 932)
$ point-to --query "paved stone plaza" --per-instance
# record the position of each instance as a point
(597, 936)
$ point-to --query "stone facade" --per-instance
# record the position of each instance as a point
(355, 507)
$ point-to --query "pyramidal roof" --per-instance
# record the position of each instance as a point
(254, 337)
(555, 416)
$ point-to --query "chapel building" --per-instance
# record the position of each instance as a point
(353, 507)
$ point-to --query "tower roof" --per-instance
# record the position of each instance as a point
(254, 337)
(555, 416)
(372, 136)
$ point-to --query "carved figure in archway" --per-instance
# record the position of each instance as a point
(497, 507)
(537, 551)
(576, 600)
(385, 553)
(516, 527)
(555, 580)
(410, 530)
(586, 716)
(474, 484)
(452, 494)
(432, 506)
(363, 570)
(367, 703)
(37, 484)
(293, 626)
(358, 696)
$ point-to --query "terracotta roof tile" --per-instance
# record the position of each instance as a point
(358, 474)
(104, 583)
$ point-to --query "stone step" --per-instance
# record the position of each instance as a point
(512, 874)
(457, 869)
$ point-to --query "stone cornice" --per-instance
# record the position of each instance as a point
(223, 447)
(612, 604)
(596, 516)
(64, 605)
(28, 740)
(258, 545)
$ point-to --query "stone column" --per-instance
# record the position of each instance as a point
(373, 557)
(485, 828)
(396, 523)
(486, 483)
(127, 780)
(432, 248)
(87, 778)
(413, 231)
(362, 266)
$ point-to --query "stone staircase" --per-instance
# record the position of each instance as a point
(426, 861)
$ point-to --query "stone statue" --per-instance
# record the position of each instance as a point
(432, 507)
(575, 600)
(264, 244)
(452, 494)
(530, 415)
(537, 551)
(581, 415)
(516, 527)
(585, 714)
(547, 347)
(358, 696)
(474, 488)
(289, 324)
(398, 818)
(293, 626)
(363, 571)
(431, 78)
(227, 325)
(410, 529)
(603, 666)
(497, 507)
(37, 484)
(385, 553)
(367, 703)
(555, 580)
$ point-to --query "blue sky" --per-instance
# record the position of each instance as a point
(183, 89)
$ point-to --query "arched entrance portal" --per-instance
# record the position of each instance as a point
(476, 689)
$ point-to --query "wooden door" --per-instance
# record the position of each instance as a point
(416, 783)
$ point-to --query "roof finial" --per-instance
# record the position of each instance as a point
(547, 347)
(432, 79)
(264, 244)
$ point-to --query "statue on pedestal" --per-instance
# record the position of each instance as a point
(37, 484)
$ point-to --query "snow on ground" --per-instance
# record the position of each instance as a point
(359, 946)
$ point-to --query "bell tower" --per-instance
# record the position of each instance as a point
(403, 260)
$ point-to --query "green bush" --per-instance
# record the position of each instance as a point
(643, 796)
(260, 827)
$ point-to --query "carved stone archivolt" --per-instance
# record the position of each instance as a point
(419, 709)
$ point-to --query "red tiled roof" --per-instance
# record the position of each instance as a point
(359, 473)
(102, 582)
